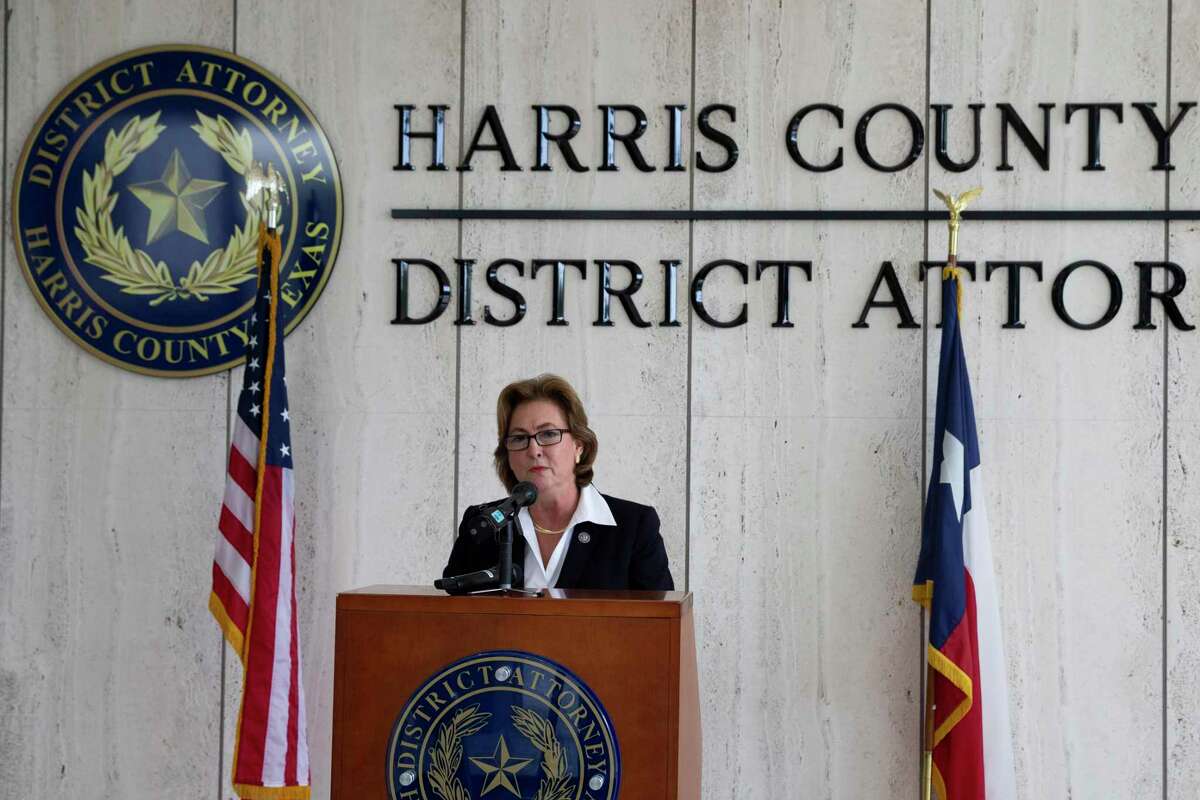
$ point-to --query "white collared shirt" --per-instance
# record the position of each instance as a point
(591, 508)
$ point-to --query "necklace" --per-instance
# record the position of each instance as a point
(546, 531)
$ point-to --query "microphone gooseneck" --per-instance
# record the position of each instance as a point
(524, 494)
(494, 517)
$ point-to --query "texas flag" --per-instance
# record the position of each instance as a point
(972, 745)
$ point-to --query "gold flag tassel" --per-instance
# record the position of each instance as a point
(956, 206)
(270, 246)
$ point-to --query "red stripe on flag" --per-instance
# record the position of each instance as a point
(289, 770)
(235, 607)
(242, 472)
(959, 756)
(256, 703)
(236, 534)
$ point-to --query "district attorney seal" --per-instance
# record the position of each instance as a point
(129, 208)
(500, 725)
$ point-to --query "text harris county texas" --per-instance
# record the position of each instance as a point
(898, 127)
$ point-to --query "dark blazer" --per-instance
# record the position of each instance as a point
(628, 555)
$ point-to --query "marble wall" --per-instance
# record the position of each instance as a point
(787, 464)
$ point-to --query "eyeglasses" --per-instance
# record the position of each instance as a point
(544, 437)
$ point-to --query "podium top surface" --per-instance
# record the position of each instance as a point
(555, 602)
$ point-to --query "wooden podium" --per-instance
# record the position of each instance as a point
(635, 650)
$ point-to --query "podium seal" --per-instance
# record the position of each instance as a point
(503, 724)
(130, 212)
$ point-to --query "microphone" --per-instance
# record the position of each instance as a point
(482, 579)
(493, 518)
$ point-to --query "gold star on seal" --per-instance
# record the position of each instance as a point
(176, 201)
(502, 770)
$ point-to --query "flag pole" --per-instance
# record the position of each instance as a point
(955, 205)
(927, 735)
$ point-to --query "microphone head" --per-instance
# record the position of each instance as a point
(524, 494)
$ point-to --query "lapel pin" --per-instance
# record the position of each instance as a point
(584, 537)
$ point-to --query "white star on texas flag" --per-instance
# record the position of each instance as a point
(952, 469)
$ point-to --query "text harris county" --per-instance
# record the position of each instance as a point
(895, 127)
(95, 326)
(1085, 294)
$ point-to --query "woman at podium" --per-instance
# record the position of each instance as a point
(572, 537)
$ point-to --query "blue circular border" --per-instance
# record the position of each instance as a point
(44, 212)
(442, 672)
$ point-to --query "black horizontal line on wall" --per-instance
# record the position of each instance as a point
(784, 215)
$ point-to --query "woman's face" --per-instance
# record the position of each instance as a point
(550, 468)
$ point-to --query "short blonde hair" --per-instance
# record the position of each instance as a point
(561, 393)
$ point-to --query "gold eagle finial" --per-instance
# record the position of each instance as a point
(956, 206)
(265, 189)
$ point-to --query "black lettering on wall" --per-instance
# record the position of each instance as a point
(942, 136)
(437, 136)
(720, 137)
(1176, 278)
(675, 144)
(1162, 135)
(670, 304)
(698, 293)
(464, 291)
(1093, 128)
(562, 138)
(608, 151)
(491, 121)
(558, 288)
(782, 286)
(402, 315)
(1011, 120)
(887, 274)
(1013, 270)
(792, 139)
(624, 296)
(1115, 295)
(916, 142)
(505, 291)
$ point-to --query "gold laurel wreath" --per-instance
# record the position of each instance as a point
(223, 270)
(447, 754)
(555, 783)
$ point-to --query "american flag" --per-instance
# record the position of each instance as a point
(971, 742)
(254, 588)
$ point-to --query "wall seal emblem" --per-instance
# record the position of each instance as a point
(130, 214)
(503, 724)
